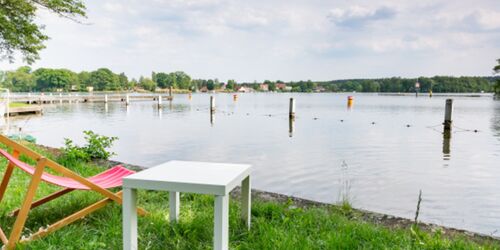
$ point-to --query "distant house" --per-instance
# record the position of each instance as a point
(245, 89)
(288, 88)
(74, 88)
(280, 86)
(204, 89)
(319, 89)
(264, 87)
(90, 88)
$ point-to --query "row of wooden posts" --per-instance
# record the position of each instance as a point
(291, 113)
(52, 99)
(447, 117)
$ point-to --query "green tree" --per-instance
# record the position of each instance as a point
(370, 86)
(182, 80)
(104, 79)
(210, 84)
(272, 86)
(230, 84)
(147, 84)
(20, 80)
(162, 80)
(123, 81)
(84, 80)
(52, 79)
(178, 80)
(198, 84)
(20, 33)
(133, 83)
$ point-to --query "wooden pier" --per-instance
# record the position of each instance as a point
(30, 109)
(76, 98)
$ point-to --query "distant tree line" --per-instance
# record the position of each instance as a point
(24, 79)
(438, 84)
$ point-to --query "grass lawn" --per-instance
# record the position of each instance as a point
(18, 105)
(274, 225)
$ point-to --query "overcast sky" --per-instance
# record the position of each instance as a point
(285, 40)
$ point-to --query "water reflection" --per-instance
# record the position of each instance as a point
(291, 127)
(495, 120)
(212, 118)
(446, 145)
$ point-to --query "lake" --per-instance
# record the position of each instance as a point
(377, 154)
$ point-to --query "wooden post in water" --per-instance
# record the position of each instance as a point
(51, 98)
(60, 98)
(29, 98)
(448, 114)
(292, 108)
(106, 98)
(159, 101)
(127, 99)
(212, 104)
(69, 98)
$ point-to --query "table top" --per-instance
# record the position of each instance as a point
(190, 176)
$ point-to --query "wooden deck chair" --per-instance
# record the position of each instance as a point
(69, 181)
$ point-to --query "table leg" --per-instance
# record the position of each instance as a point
(246, 201)
(129, 219)
(221, 222)
(174, 206)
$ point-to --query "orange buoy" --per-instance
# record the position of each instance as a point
(350, 101)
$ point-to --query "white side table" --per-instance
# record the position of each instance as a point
(194, 177)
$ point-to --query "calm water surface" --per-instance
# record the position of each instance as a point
(378, 154)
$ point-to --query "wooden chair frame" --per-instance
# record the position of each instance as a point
(11, 241)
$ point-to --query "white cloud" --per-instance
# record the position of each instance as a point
(355, 15)
(408, 43)
(271, 39)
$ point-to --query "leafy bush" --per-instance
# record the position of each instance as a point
(97, 145)
(96, 148)
(71, 152)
